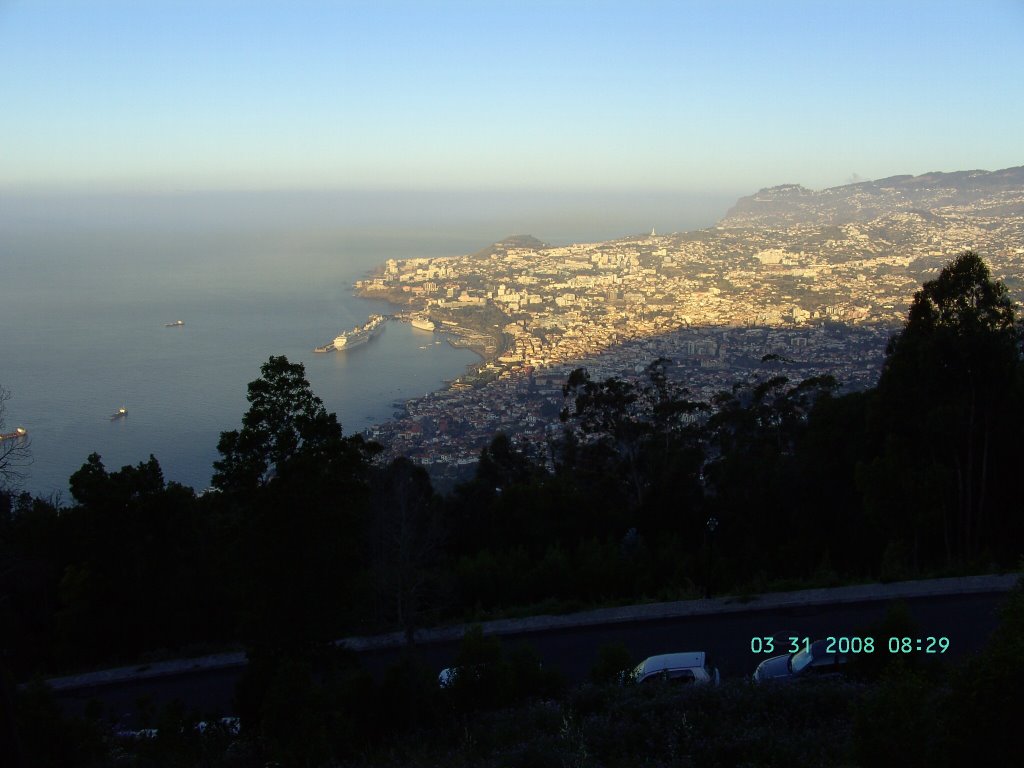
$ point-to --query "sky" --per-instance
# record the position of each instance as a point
(719, 97)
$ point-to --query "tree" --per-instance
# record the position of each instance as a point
(15, 452)
(139, 572)
(752, 477)
(408, 543)
(502, 464)
(93, 486)
(611, 416)
(285, 422)
(949, 405)
(297, 490)
(981, 722)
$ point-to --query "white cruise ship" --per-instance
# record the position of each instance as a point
(422, 322)
(360, 334)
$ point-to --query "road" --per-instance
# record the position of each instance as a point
(966, 620)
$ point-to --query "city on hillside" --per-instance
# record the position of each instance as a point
(791, 282)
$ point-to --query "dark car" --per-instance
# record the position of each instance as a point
(811, 662)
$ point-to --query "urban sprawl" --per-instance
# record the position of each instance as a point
(791, 282)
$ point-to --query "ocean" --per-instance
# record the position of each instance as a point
(87, 285)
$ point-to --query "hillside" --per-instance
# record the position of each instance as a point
(999, 192)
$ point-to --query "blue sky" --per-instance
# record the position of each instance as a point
(717, 96)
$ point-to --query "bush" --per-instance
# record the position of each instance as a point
(896, 721)
(46, 737)
(984, 712)
(613, 661)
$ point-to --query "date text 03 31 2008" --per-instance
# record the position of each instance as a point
(850, 644)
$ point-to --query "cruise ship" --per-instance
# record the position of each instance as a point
(358, 335)
(422, 322)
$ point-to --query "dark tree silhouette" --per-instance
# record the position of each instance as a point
(949, 401)
(296, 489)
(285, 421)
(753, 476)
(501, 465)
(407, 543)
(134, 561)
(611, 417)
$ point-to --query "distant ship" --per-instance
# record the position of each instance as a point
(423, 322)
(18, 432)
(120, 413)
(175, 324)
(358, 335)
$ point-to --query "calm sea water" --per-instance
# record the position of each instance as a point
(84, 335)
(88, 282)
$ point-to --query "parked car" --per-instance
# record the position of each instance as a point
(447, 676)
(811, 662)
(681, 668)
(470, 673)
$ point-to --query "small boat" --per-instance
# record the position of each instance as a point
(18, 432)
(119, 414)
(175, 324)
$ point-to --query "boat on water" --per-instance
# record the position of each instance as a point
(361, 333)
(422, 322)
(18, 432)
(358, 335)
(120, 413)
(175, 324)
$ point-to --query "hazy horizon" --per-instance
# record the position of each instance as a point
(430, 220)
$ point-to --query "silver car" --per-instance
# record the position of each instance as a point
(810, 662)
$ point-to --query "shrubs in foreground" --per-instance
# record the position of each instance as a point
(326, 711)
(406, 720)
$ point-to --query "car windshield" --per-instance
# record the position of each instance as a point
(799, 660)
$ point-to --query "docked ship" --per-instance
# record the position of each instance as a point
(422, 322)
(175, 324)
(358, 335)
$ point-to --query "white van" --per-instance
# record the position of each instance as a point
(679, 668)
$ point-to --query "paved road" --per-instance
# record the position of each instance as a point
(966, 619)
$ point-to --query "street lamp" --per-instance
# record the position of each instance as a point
(712, 524)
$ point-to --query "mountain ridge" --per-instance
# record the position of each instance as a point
(787, 204)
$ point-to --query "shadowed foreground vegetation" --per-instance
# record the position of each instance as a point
(309, 537)
(323, 710)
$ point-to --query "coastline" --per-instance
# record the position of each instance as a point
(486, 344)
